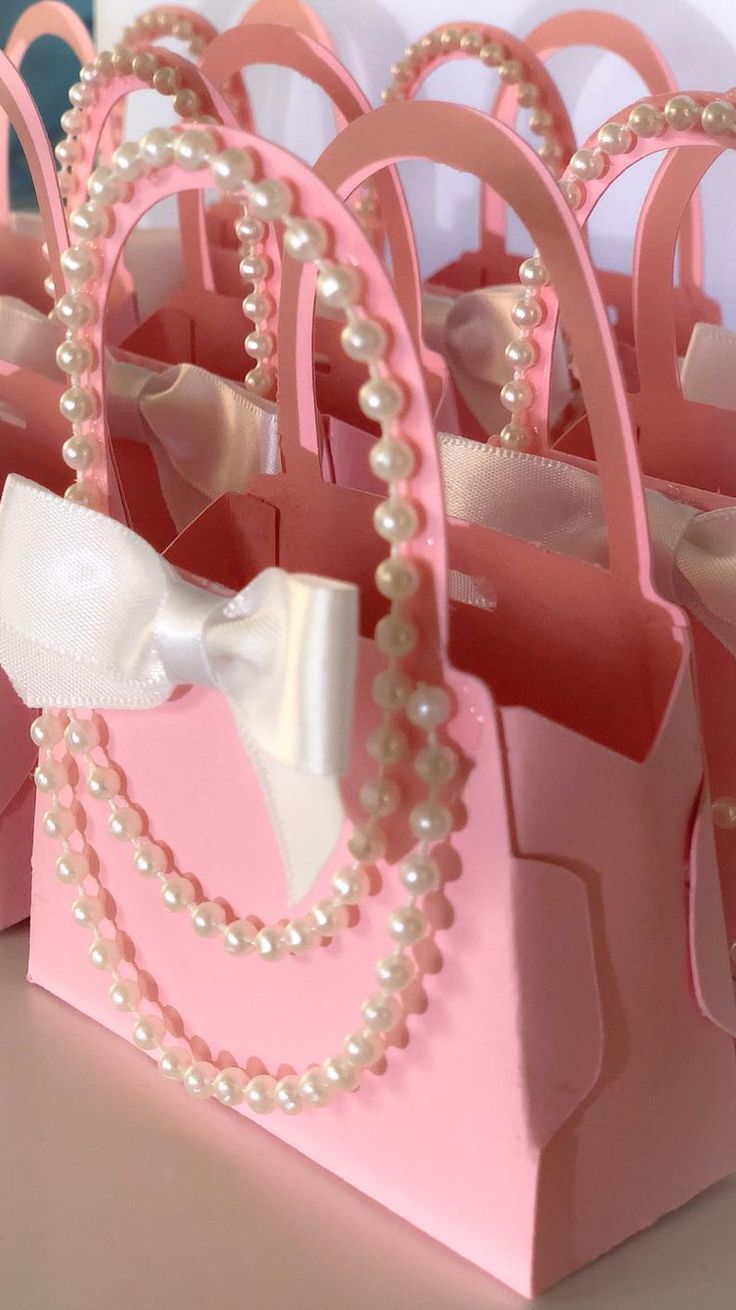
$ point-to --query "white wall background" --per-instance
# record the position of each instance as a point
(697, 37)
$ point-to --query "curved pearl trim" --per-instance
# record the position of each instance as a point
(426, 708)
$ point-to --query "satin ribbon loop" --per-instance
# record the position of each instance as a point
(92, 617)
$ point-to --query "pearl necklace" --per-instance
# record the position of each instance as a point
(477, 41)
(587, 167)
(397, 578)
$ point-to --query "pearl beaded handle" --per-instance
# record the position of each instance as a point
(619, 36)
(22, 114)
(470, 142)
(644, 129)
(47, 18)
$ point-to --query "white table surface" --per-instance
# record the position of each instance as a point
(115, 1192)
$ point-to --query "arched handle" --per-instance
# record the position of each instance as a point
(47, 18)
(618, 36)
(22, 115)
(253, 44)
(472, 143)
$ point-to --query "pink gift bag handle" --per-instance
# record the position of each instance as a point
(289, 13)
(269, 44)
(22, 115)
(470, 142)
(47, 18)
(619, 36)
(668, 201)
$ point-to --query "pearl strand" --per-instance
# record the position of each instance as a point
(581, 185)
(381, 398)
(477, 41)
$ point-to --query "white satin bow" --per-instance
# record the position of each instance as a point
(207, 435)
(91, 616)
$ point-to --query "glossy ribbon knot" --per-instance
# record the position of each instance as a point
(92, 617)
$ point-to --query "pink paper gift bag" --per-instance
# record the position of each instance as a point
(546, 1081)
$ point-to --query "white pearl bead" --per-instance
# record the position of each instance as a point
(75, 356)
(516, 396)
(78, 404)
(587, 164)
(87, 911)
(387, 744)
(338, 286)
(231, 168)
(90, 221)
(270, 943)
(84, 493)
(271, 199)
(340, 1073)
(363, 1048)
(430, 821)
(381, 1012)
(540, 122)
(428, 707)
(397, 578)
(260, 1093)
(72, 867)
(51, 775)
(305, 239)
(144, 66)
(166, 80)
(391, 460)
(391, 689)
(177, 893)
(521, 352)
(239, 937)
(105, 954)
(724, 812)
(122, 60)
(527, 95)
(80, 264)
(125, 995)
(367, 844)
(103, 782)
(75, 310)
(380, 796)
(493, 54)
(207, 918)
(514, 437)
(395, 636)
(82, 735)
(288, 1096)
(532, 273)
(80, 96)
(229, 1086)
(193, 150)
(249, 229)
(718, 117)
(381, 399)
(259, 345)
(511, 72)
(449, 38)
(407, 925)
(47, 730)
(682, 113)
(186, 104)
(257, 306)
(149, 1032)
(73, 121)
(329, 918)
(157, 147)
(435, 764)
(87, 74)
(314, 1088)
(58, 822)
(260, 380)
(125, 823)
(471, 42)
(68, 152)
(615, 138)
(364, 339)
(573, 191)
(183, 29)
(395, 520)
(429, 44)
(394, 972)
(150, 860)
(196, 46)
(253, 268)
(419, 874)
(174, 1062)
(350, 884)
(128, 163)
(199, 1080)
(300, 936)
(646, 120)
(103, 66)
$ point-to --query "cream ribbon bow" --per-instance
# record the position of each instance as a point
(91, 616)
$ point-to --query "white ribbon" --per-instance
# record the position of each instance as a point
(91, 616)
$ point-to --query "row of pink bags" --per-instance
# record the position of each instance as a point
(337, 671)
